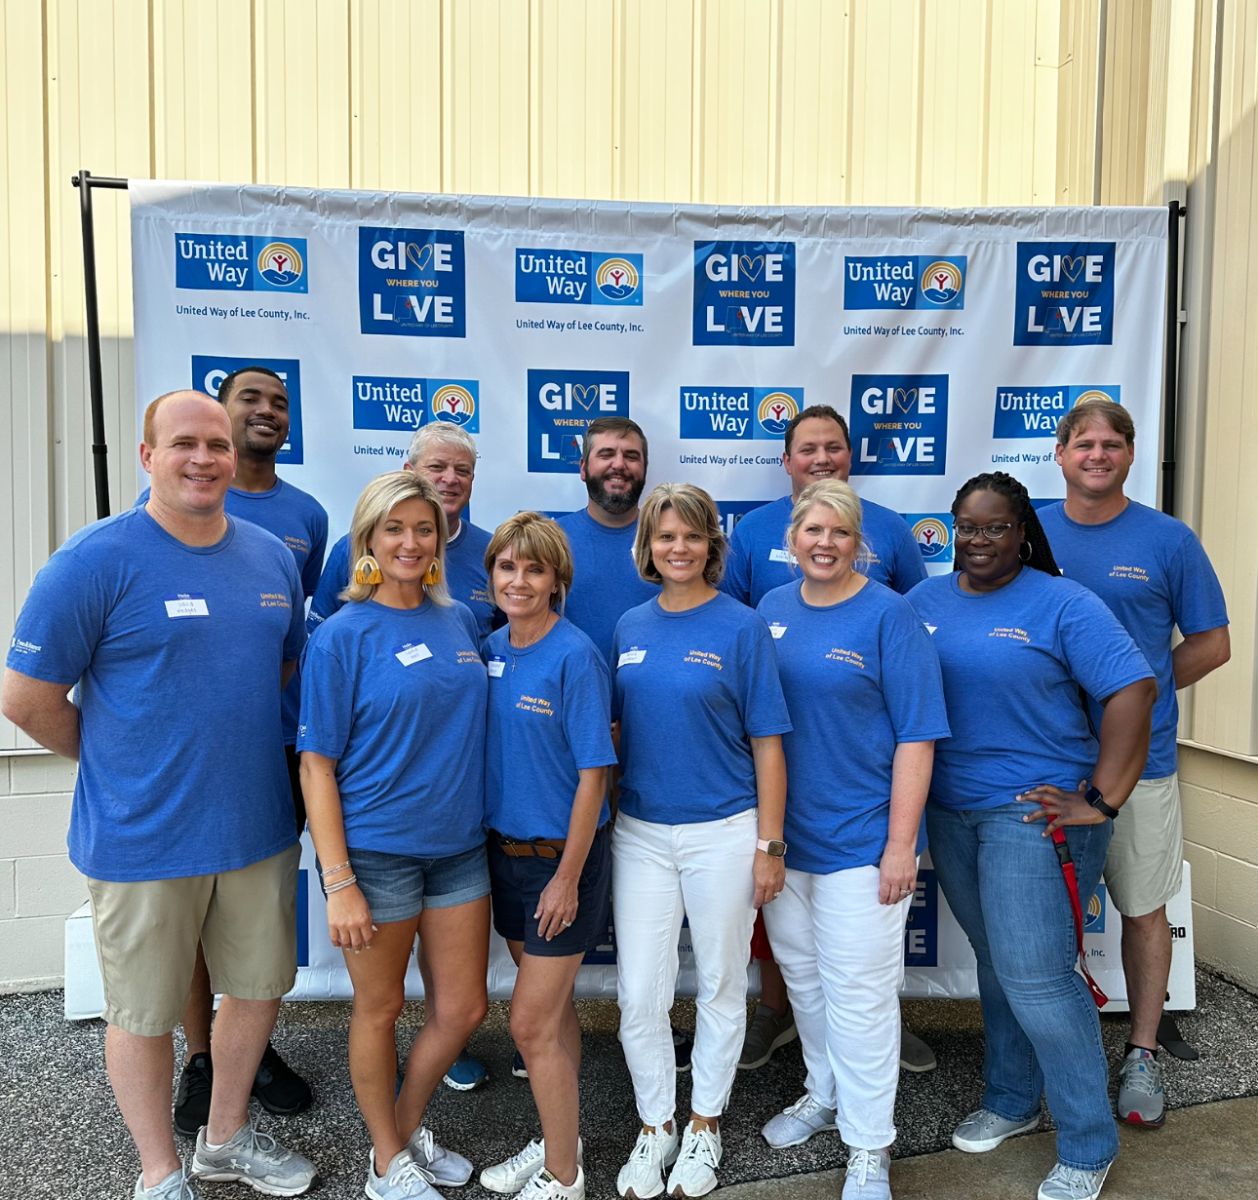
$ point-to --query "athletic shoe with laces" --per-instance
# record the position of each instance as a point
(466, 1073)
(915, 1054)
(176, 1186)
(278, 1088)
(507, 1178)
(192, 1096)
(402, 1179)
(796, 1123)
(544, 1186)
(767, 1032)
(983, 1130)
(694, 1172)
(1071, 1183)
(868, 1175)
(518, 1069)
(1140, 1100)
(643, 1175)
(445, 1167)
(255, 1158)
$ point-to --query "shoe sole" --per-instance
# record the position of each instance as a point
(1136, 1121)
(679, 1193)
(1039, 1195)
(630, 1194)
(270, 1189)
(456, 1086)
(518, 1074)
(276, 1111)
(782, 1039)
(918, 1068)
(503, 1191)
(800, 1141)
(991, 1143)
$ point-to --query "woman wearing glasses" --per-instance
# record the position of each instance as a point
(1018, 645)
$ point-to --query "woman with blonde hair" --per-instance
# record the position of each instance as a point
(699, 830)
(396, 813)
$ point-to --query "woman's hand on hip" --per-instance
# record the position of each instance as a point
(1060, 808)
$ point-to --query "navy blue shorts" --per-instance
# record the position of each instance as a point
(518, 883)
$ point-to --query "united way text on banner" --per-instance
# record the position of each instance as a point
(950, 342)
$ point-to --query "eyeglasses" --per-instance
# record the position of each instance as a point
(993, 533)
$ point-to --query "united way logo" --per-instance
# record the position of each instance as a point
(1094, 913)
(209, 370)
(577, 277)
(899, 424)
(903, 281)
(933, 534)
(1033, 412)
(744, 294)
(405, 403)
(561, 404)
(759, 414)
(411, 282)
(225, 263)
(1065, 294)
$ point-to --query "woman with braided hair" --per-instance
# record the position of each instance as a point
(1018, 645)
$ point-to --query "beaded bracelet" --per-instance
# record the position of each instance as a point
(333, 870)
(340, 885)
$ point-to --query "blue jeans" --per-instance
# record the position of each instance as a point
(1005, 887)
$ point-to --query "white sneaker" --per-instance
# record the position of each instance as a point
(544, 1186)
(446, 1168)
(794, 1125)
(694, 1172)
(507, 1178)
(867, 1175)
(643, 1175)
(402, 1179)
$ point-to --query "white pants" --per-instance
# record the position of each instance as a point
(659, 872)
(842, 956)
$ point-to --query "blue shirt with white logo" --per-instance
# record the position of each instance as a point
(549, 717)
(758, 560)
(1013, 662)
(466, 579)
(860, 677)
(606, 583)
(181, 767)
(1152, 572)
(690, 689)
(397, 698)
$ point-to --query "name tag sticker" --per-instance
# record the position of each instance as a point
(186, 604)
(496, 667)
(630, 656)
(780, 555)
(409, 654)
(777, 630)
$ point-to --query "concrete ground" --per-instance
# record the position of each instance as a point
(61, 1136)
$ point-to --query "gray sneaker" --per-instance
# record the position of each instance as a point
(176, 1186)
(1140, 1100)
(447, 1168)
(255, 1158)
(402, 1179)
(983, 1130)
(867, 1176)
(795, 1124)
(1070, 1183)
(766, 1033)
(915, 1054)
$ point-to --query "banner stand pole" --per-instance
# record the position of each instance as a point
(1170, 370)
(85, 181)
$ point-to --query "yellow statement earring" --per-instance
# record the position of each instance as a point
(367, 571)
(433, 574)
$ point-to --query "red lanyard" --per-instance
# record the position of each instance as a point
(1072, 890)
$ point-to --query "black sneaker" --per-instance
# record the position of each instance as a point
(683, 1044)
(278, 1087)
(192, 1096)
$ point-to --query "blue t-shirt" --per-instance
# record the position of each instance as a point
(549, 717)
(758, 560)
(466, 579)
(301, 523)
(181, 767)
(860, 677)
(690, 689)
(397, 698)
(1153, 574)
(606, 583)
(1013, 662)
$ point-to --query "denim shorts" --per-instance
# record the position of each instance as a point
(398, 887)
(518, 884)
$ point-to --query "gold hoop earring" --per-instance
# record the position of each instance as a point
(1029, 552)
(367, 572)
(433, 574)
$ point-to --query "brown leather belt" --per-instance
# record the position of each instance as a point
(537, 848)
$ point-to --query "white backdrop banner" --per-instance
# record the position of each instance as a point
(952, 341)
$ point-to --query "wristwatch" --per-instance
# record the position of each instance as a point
(1094, 797)
(775, 847)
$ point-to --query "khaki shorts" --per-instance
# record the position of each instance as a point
(1145, 865)
(147, 934)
